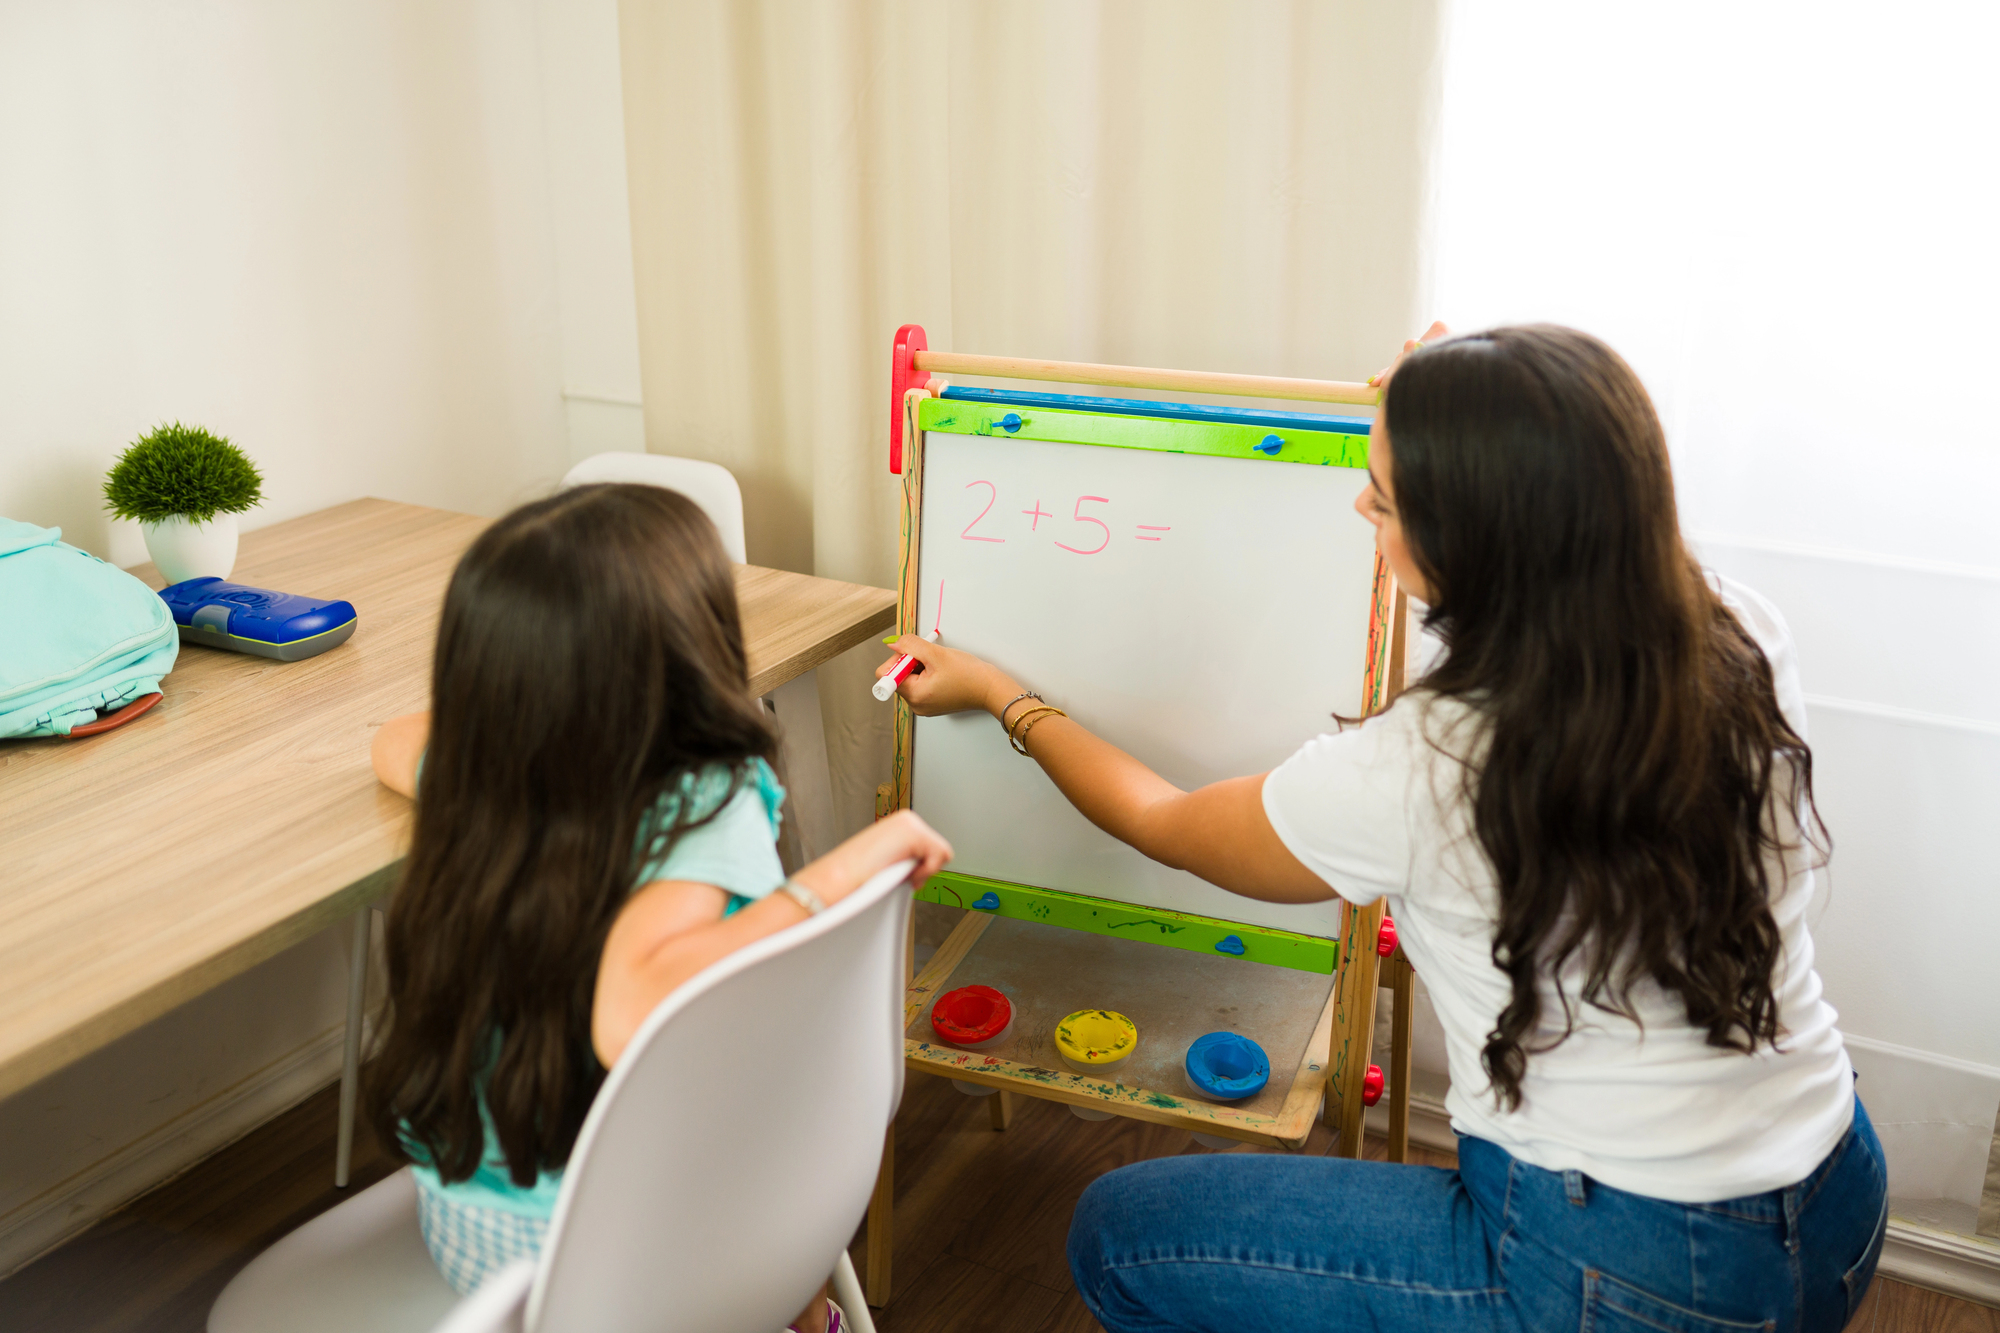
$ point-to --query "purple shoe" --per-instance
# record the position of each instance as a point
(836, 1320)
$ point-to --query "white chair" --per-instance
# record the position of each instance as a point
(720, 1174)
(710, 485)
(810, 830)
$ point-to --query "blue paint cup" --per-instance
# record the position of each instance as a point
(1227, 1066)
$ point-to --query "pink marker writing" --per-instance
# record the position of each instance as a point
(885, 687)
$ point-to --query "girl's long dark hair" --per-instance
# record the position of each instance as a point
(590, 653)
(1634, 778)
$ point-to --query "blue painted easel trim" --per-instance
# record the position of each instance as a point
(1140, 407)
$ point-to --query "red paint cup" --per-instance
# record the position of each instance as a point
(973, 1018)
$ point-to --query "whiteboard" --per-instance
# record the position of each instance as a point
(1207, 615)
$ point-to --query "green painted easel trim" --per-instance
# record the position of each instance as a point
(1214, 439)
(1121, 921)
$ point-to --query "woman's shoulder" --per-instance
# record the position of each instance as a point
(1360, 806)
(1758, 614)
(1425, 729)
(1420, 731)
(1766, 626)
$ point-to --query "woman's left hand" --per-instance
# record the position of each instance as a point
(951, 681)
(1437, 330)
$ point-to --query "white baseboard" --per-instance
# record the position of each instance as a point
(1956, 1264)
(1430, 1123)
(34, 1228)
(1948, 1261)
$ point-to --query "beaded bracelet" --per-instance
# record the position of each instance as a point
(1027, 713)
(1023, 746)
(1019, 737)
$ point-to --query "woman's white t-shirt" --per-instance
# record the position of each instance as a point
(1652, 1108)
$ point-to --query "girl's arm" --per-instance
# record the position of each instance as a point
(1218, 832)
(397, 747)
(672, 929)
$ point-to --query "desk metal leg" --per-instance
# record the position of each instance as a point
(350, 1060)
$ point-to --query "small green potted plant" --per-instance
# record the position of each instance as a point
(185, 487)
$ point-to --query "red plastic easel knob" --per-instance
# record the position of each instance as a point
(903, 376)
(1371, 1086)
(1385, 938)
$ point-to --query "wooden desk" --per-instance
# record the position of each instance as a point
(141, 867)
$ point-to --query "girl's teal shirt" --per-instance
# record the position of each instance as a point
(737, 851)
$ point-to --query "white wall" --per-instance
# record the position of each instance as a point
(1234, 187)
(373, 242)
(592, 217)
(1789, 235)
(320, 229)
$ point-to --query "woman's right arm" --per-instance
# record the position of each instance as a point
(1219, 832)
(398, 746)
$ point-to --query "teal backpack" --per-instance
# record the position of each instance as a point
(82, 636)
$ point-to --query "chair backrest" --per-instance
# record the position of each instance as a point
(709, 485)
(732, 1152)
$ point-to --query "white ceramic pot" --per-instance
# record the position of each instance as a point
(185, 550)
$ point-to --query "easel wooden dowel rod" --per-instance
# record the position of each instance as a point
(1139, 377)
(1400, 978)
(1354, 1026)
(881, 1225)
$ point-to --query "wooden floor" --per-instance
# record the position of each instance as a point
(981, 1218)
(160, 1262)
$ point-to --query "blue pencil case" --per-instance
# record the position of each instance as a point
(270, 624)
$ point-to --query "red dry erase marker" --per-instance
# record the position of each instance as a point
(885, 687)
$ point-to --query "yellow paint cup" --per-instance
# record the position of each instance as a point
(1095, 1041)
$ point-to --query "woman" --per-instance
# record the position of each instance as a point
(1593, 819)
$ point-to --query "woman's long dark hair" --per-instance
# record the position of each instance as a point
(1634, 773)
(590, 654)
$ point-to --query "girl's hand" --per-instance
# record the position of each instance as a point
(398, 746)
(1437, 330)
(903, 836)
(950, 681)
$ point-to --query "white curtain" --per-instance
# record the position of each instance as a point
(1784, 216)
(1781, 213)
(1231, 187)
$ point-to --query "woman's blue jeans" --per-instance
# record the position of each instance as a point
(1264, 1244)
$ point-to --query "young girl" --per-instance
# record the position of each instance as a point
(1593, 819)
(596, 823)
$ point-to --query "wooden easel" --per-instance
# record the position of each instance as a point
(1330, 1079)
